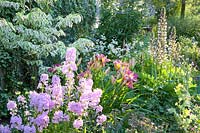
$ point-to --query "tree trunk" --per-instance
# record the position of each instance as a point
(183, 9)
(2, 82)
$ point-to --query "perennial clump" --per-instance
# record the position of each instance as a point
(58, 99)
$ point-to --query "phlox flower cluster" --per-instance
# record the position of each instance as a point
(59, 116)
(12, 107)
(16, 122)
(5, 129)
(41, 101)
(42, 121)
(60, 100)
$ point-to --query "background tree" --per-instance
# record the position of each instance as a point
(183, 4)
(29, 43)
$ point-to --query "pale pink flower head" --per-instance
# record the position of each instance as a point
(70, 55)
(16, 122)
(85, 85)
(5, 129)
(58, 117)
(55, 80)
(65, 117)
(100, 119)
(21, 99)
(41, 101)
(78, 123)
(11, 105)
(75, 107)
(42, 121)
(44, 78)
(97, 93)
(29, 129)
(98, 109)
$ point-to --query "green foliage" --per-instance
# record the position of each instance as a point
(189, 27)
(187, 113)
(121, 24)
(33, 37)
(114, 50)
(190, 50)
(172, 6)
(86, 8)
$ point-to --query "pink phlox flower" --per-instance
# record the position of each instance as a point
(65, 117)
(91, 99)
(57, 94)
(98, 109)
(11, 105)
(55, 80)
(41, 102)
(70, 75)
(16, 122)
(5, 129)
(29, 129)
(75, 107)
(21, 99)
(44, 79)
(58, 117)
(42, 121)
(85, 85)
(65, 69)
(78, 123)
(100, 119)
(70, 55)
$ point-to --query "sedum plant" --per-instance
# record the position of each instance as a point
(187, 113)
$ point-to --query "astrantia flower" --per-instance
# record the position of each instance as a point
(5, 129)
(11, 105)
(75, 107)
(42, 121)
(27, 113)
(70, 55)
(29, 129)
(78, 123)
(100, 119)
(16, 122)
